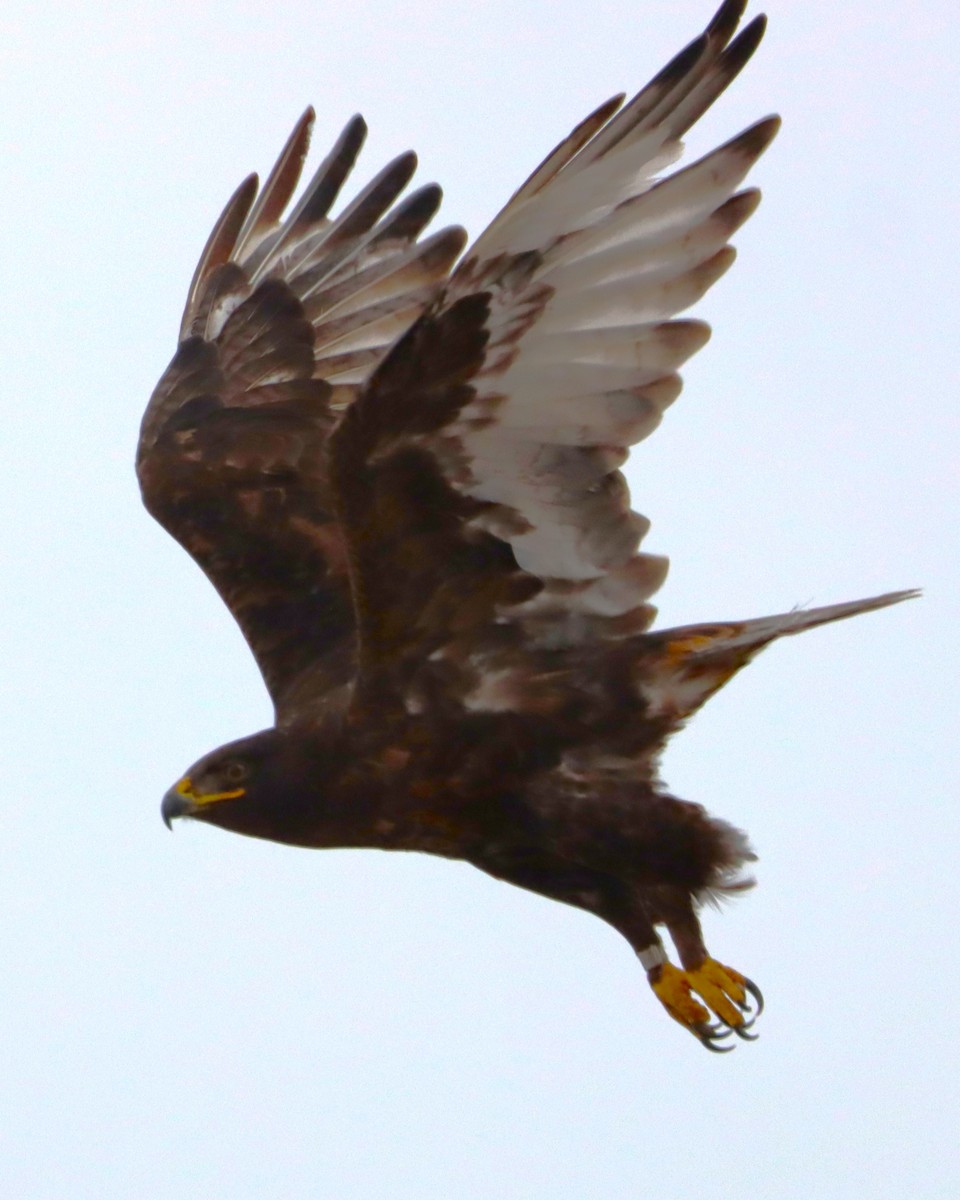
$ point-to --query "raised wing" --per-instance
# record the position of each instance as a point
(285, 319)
(478, 475)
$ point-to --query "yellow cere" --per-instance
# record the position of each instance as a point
(185, 788)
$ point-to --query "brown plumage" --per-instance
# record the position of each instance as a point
(403, 480)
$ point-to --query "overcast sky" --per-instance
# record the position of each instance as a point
(199, 1015)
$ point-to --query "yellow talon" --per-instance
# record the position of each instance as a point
(673, 990)
(723, 991)
(718, 985)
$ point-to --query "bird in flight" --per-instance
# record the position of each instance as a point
(398, 464)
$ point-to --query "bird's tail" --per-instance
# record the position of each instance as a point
(681, 668)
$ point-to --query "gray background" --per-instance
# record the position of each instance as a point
(203, 1016)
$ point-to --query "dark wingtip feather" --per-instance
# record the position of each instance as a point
(372, 202)
(355, 129)
(330, 176)
(753, 141)
(412, 215)
(575, 141)
(741, 49)
(220, 243)
(726, 66)
(738, 209)
(679, 66)
(279, 186)
(725, 20)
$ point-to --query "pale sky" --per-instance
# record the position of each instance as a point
(199, 1015)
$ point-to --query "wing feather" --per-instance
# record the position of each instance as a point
(478, 477)
(395, 476)
(267, 213)
(285, 318)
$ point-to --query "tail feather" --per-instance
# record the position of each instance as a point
(754, 634)
(681, 668)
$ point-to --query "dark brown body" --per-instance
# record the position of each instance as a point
(536, 799)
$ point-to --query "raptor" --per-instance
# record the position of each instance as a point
(398, 464)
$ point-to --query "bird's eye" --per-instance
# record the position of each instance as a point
(235, 772)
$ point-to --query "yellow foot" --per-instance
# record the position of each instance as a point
(726, 993)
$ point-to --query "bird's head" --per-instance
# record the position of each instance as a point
(234, 787)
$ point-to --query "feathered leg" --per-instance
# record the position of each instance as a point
(725, 992)
(727, 995)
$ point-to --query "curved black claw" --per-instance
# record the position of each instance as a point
(754, 992)
(742, 1032)
(706, 1036)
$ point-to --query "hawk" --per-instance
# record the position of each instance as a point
(398, 466)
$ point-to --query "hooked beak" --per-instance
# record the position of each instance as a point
(175, 804)
(183, 800)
